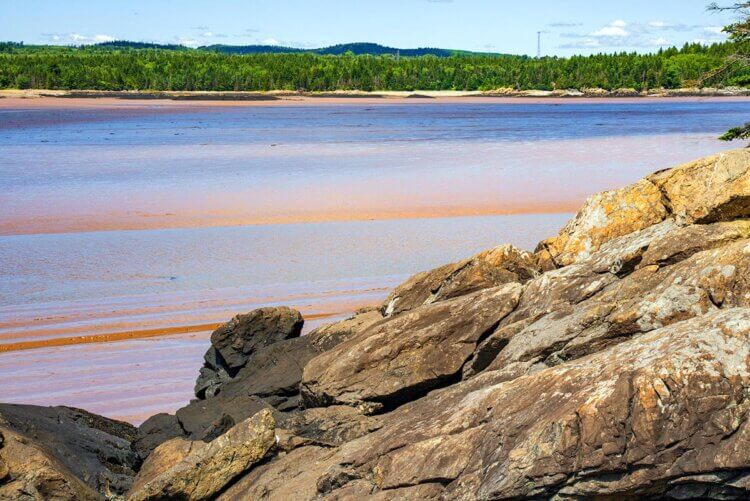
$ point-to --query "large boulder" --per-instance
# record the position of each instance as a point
(401, 359)
(708, 190)
(233, 343)
(501, 265)
(712, 189)
(274, 372)
(184, 469)
(603, 217)
(71, 442)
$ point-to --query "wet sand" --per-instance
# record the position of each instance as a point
(172, 220)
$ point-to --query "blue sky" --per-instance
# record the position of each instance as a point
(570, 26)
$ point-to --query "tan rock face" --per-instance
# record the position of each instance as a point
(564, 327)
(711, 189)
(501, 265)
(605, 216)
(29, 471)
(396, 360)
(181, 469)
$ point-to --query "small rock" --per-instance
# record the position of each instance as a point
(181, 469)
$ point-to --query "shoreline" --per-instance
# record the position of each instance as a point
(10, 99)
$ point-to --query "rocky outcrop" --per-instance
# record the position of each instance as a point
(498, 266)
(64, 453)
(196, 470)
(613, 363)
(398, 360)
(711, 189)
(236, 341)
(270, 379)
(664, 414)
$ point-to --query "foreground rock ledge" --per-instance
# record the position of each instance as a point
(181, 469)
(611, 363)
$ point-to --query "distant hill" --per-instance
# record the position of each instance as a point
(379, 50)
(251, 49)
(359, 48)
(126, 44)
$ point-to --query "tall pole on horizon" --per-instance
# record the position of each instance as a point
(538, 44)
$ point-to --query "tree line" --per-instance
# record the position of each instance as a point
(118, 68)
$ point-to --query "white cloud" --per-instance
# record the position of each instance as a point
(660, 42)
(610, 31)
(620, 34)
(188, 42)
(208, 34)
(270, 41)
(77, 38)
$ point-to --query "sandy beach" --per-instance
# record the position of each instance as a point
(37, 98)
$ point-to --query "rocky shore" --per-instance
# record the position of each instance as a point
(613, 362)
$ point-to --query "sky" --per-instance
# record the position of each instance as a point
(509, 26)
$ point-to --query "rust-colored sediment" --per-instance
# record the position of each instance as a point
(127, 335)
(75, 223)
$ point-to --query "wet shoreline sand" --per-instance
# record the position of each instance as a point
(155, 221)
(45, 99)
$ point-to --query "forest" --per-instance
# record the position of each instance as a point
(120, 67)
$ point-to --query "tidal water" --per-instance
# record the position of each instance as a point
(152, 223)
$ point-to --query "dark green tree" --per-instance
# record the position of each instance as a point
(739, 33)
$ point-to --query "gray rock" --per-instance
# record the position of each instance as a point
(235, 342)
(239, 338)
(95, 449)
(154, 431)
